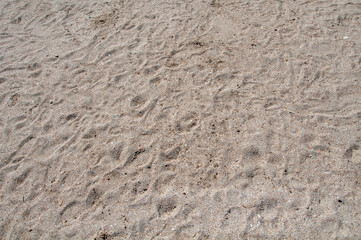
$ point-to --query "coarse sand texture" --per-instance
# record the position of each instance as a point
(180, 119)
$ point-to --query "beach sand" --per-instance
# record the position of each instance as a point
(203, 119)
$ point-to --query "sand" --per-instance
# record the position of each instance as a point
(203, 119)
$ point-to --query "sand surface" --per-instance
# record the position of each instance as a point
(180, 119)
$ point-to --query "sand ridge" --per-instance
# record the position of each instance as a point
(186, 119)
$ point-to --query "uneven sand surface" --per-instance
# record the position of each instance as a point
(179, 119)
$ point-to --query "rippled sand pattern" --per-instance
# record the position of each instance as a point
(180, 119)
